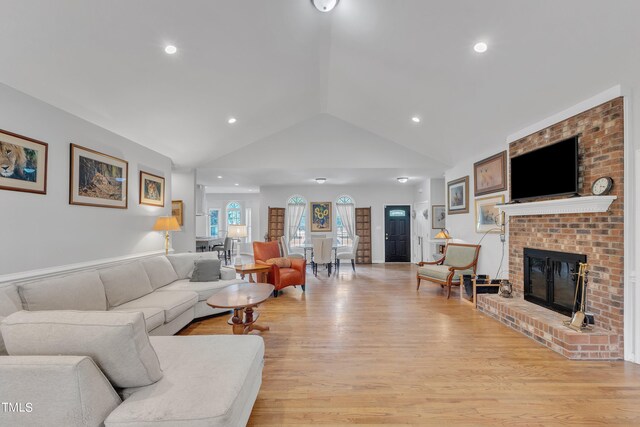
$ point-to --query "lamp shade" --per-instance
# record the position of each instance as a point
(443, 234)
(166, 223)
(237, 231)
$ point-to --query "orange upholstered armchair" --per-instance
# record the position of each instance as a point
(280, 277)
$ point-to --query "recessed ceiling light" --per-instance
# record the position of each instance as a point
(170, 49)
(219, 176)
(236, 184)
(232, 120)
(415, 119)
(402, 179)
(324, 5)
(480, 47)
(321, 180)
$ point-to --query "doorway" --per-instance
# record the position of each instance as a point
(397, 233)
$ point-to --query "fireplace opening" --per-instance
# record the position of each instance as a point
(550, 279)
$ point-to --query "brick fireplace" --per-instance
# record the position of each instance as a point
(599, 236)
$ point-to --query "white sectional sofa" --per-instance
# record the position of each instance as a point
(205, 380)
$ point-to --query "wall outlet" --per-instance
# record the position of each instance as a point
(503, 237)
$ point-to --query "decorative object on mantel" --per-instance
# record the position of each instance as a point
(602, 186)
(584, 204)
(97, 179)
(506, 289)
(579, 320)
(490, 175)
(166, 224)
(23, 163)
(458, 196)
(488, 218)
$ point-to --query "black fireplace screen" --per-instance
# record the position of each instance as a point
(550, 279)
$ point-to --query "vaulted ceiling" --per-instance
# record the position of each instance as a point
(280, 67)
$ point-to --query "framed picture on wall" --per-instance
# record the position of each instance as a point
(97, 179)
(177, 210)
(321, 218)
(438, 216)
(151, 189)
(458, 196)
(488, 217)
(23, 163)
(490, 174)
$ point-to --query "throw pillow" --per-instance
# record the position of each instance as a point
(206, 270)
(280, 262)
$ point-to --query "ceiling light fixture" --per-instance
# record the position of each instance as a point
(403, 179)
(236, 184)
(415, 119)
(219, 176)
(480, 47)
(170, 49)
(232, 120)
(324, 5)
(321, 180)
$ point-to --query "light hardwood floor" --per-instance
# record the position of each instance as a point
(369, 349)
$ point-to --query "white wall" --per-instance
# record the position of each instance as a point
(42, 231)
(184, 188)
(375, 197)
(246, 200)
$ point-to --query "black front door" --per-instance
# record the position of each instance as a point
(397, 224)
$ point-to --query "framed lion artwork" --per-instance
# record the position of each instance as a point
(23, 163)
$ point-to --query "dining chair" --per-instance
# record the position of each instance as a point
(225, 249)
(286, 252)
(348, 254)
(322, 249)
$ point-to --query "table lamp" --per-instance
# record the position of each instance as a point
(443, 234)
(237, 232)
(166, 224)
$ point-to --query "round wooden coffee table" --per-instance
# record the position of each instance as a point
(242, 298)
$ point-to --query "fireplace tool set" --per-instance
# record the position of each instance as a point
(580, 321)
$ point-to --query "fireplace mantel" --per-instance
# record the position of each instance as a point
(572, 205)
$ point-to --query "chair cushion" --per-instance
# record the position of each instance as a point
(281, 262)
(441, 272)
(203, 289)
(206, 270)
(346, 255)
(217, 387)
(125, 282)
(153, 317)
(290, 276)
(173, 303)
(183, 263)
(459, 256)
(117, 342)
(160, 271)
(10, 301)
(80, 291)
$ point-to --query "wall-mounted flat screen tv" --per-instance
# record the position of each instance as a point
(547, 171)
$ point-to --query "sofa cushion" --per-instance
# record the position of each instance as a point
(160, 271)
(441, 272)
(10, 301)
(153, 317)
(203, 289)
(124, 283)
(183, 263)
(217, 387)
(206, 270)
(173, 303)
(116, 341)
(227, 273)
(79, 291)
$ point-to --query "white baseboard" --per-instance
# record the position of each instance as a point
(72, 268)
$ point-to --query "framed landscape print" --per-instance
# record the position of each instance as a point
(490, 175)
(488, 217)
(151, 189)
(458, 196)
(177, 210)
(320, 216)
(97, 179)
(438, 216)
(23, 163)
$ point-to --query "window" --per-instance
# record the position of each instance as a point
(345, 205)
(296, 221)
(214, 224)
(234, 214)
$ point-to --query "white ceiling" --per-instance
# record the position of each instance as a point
(281, 67)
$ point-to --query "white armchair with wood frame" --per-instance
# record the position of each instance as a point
(459, 259)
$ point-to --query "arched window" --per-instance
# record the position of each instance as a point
(345, 220)
(234, 213)
(296, 222)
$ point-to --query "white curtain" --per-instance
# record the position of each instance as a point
(294, 216)
(347, 213)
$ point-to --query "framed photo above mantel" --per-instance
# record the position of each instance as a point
(23, 163)
(151, 189)
(321, 218)
(458, 196)
(490, 175)
(97, 179)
